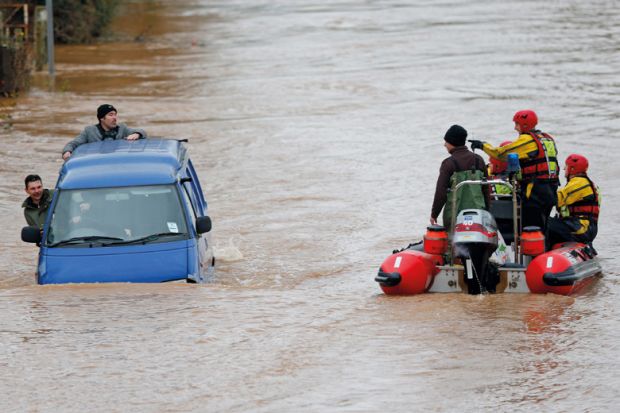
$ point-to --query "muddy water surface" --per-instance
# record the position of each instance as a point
(316, 129)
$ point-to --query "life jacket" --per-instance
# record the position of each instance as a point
(589, 206)
(544, 164)
(499, 189)
(468, 196)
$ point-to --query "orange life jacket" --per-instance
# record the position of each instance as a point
(588, 207)
(544, 164)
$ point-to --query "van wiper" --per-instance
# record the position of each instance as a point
(143, 240)
(81, 240)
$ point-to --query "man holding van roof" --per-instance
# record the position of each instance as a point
(107, 128)
(38, 201)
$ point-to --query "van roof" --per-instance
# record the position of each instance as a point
(112, 163)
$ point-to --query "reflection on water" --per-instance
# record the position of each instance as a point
(316, 130)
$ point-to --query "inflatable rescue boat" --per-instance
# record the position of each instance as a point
(467, 258)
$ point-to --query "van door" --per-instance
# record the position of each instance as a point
(199, 198)
(197, 207)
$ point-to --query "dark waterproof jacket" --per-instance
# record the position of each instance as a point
(35, 214)
(465, 159)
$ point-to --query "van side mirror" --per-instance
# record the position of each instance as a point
(31, 234)
(203, 224)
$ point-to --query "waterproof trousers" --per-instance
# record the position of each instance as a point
(536, 208)
(563, 230)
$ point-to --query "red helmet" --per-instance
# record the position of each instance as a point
(526, 119)
(497, 166)
(576, 164)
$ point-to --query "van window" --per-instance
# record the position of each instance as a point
(190, 204)
(201, 203)
(118, 214)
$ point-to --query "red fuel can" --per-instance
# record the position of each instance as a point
(436, 240)
(532, 241)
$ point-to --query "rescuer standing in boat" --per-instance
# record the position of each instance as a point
(578, 205)
(539, 179)
(107, 128)
(462, 164)
(499, 170)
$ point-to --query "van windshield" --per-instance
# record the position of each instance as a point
(117, 216)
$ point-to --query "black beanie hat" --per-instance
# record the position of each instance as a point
(104, 110)
(456, 135)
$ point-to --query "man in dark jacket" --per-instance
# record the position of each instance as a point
(107, 128)
(38, 201)
(460, 159)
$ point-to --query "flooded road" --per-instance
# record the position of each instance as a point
(316, 130)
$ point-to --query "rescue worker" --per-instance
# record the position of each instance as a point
(578, 205)
(462, 164)
(499, 170)
(38, 201)
(501, 204)
(539, 168)
(107, 128)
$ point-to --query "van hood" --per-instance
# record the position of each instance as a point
(150, 263)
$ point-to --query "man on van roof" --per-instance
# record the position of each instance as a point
(107, 128)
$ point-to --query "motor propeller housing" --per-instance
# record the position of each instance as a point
(474, 240)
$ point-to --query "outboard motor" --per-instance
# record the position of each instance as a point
(473, 241)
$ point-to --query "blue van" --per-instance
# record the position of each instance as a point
(125, 211)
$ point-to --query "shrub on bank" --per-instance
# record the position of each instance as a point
(15, 66)
(82, 21)
(75, 21)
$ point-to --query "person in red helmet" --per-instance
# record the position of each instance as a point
(539, 179)
(498, 170)
(578, 205)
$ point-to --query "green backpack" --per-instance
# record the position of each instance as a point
(468, 196)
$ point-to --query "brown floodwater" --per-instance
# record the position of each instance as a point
(316, 129)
